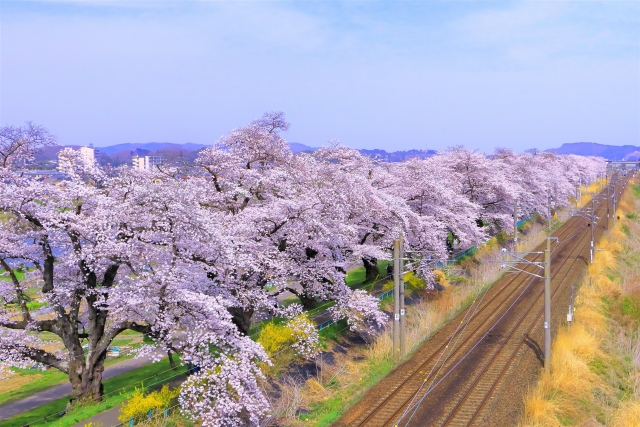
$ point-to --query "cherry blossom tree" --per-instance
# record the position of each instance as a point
(381, 211)
(20, 144)
(286, 214)
(434, 191)
(189, 261)
(485, 182)
(114, 258)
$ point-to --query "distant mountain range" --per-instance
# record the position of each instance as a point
(122, 153)
(395, 156)
(398, 156)
(609, 152)
(151, 146)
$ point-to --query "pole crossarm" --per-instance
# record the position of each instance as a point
(524, 260)
(527, 272)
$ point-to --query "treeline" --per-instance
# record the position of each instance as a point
(188, 256)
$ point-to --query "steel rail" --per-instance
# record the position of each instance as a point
(571, 225)
(532, 326)
(492, 360)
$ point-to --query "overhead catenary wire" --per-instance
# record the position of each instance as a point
(449, 344)
(416, 405)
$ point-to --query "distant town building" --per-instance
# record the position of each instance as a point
(88, 154)
(146, 162)
(137, 162)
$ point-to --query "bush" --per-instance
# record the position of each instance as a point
(440, 277)
(139, 404)
(299, 333)
(413, 282)
(34, 305)
(274, 336)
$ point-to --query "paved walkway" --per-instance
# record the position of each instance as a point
(8, 410)
(109, 418)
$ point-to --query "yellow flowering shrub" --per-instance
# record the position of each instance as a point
(414, 282)
(139, 404)
(440, 277)
(273, 337)
(299, 333)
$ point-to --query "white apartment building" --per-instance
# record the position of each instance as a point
(146, 162)
(88, 154)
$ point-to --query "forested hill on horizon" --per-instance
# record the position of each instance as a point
(609, 152)
(119, 154)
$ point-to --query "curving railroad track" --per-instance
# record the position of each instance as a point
(452, 380)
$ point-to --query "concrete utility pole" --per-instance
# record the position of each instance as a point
(614, 207)
(547, 306)
(515, 226)
(593, 225)
(396, 300)
(571, 310)
(580, 190)
(608, 211)
(549, 210)
(403, 318)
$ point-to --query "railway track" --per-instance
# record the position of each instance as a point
(474, 399)
(483, 346)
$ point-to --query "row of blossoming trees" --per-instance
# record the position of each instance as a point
(189, 261)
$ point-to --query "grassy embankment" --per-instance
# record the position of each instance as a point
(116, 390)
(595, 376)
(26, 382)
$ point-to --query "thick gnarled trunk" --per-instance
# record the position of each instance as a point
(86, 379)
(371, 269)
(241, 317)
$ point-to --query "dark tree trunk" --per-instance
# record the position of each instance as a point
(307, 302)
(371, 268)
(172, 364)
(242, 318)
(86, 379)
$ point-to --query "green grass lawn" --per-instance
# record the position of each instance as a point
(51, 377)
(355, 279)
(19, 274)
(42, 380)
(116, 391)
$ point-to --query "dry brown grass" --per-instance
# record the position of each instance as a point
(14, 382)
(628, 415)
(598, 357)
(593, 188)
(344, 378)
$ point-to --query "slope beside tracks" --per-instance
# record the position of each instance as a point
(475, 370)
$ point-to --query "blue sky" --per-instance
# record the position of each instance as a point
(373, 74)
